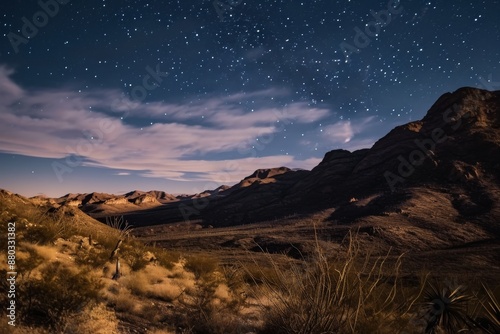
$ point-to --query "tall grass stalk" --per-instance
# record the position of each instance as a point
(350, 293)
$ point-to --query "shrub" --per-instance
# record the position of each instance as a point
(46, 227)
(92, 257)
(166, 258)
(201, 266)
(134, 255)
(57, 294)
(201, 311)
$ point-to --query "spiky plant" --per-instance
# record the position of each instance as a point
(119, 224)
(446, 309)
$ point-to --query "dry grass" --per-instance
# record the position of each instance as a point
(94, 320)
(347, 294)
(165, 258)
(491, 309)
(47, 253)
(201, 265)
(153, 282)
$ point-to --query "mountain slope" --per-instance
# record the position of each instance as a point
(454, 150)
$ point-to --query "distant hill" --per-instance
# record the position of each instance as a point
(89, 202)
(15, 205)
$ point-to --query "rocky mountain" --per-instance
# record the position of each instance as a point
(98, 204)
(443, 170)
(454, 151)
(219, 191)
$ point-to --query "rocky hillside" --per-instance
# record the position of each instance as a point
(97, 203)
(443, 169)
(453, 151)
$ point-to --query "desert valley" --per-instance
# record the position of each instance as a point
(402, 237)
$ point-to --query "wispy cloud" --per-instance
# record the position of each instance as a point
(343, 132)
(56, 123)
(224, 112)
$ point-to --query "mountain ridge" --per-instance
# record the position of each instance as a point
(452, 152)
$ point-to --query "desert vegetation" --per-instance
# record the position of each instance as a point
(75, 276)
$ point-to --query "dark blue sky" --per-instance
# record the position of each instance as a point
(182, 96)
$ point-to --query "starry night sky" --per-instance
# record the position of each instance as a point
(183, 96)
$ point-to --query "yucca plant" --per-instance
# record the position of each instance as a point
(446, 309)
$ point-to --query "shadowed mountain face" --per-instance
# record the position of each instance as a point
(454, 151)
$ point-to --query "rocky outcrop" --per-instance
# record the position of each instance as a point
(145, 199)
(162, 196)
(75, 203)
(117, 201)
(268, 173)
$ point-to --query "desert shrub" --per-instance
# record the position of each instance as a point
(125, 302)
(201, 265)
(199, 302)
(210, 306)
(92, 257)
(120, 224)
(107, 240)
(45, 226)
(152, 282)
(448, 308)
(26, 265)
(201, 311)
(133, 254)
(234, 278)
(166, 258)
(50, 299)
